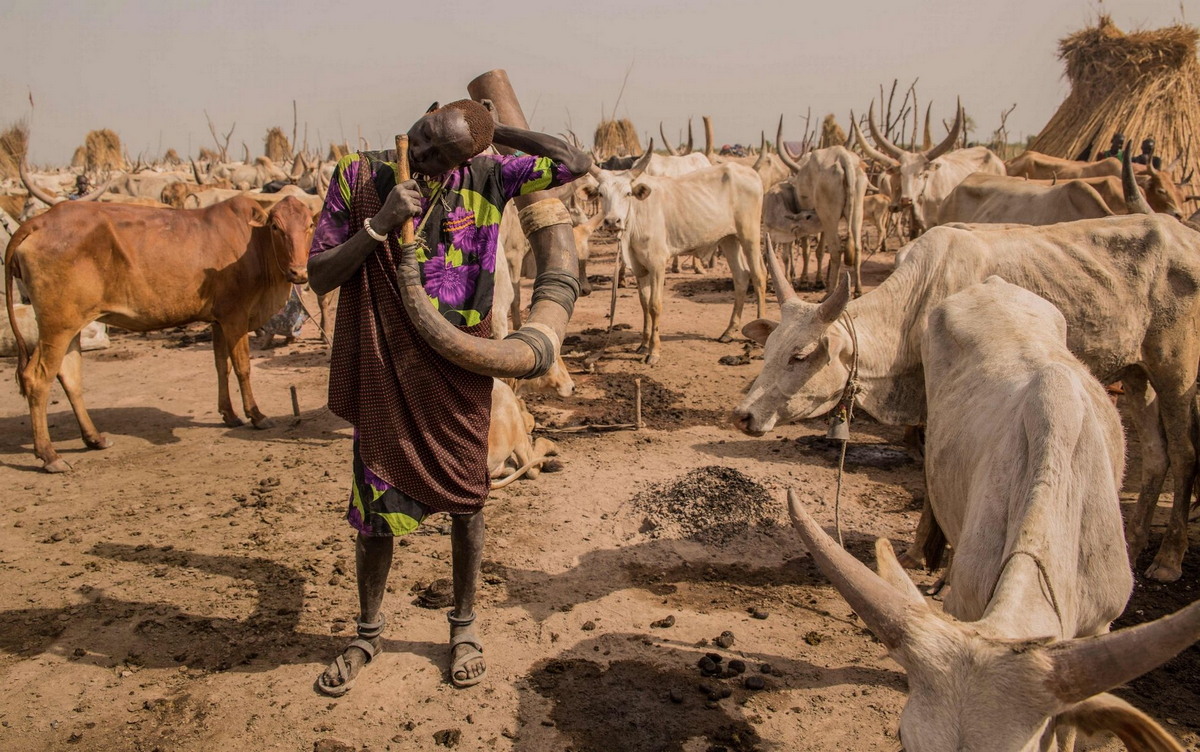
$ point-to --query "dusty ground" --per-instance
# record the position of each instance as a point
(181, 590)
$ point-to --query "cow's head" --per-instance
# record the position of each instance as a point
(557, 381)
(618, 190)
(973, 690)
(290, 225)
(1161, 192)
(908, 172)
(806, 357)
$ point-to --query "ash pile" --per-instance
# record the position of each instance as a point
(711, 504)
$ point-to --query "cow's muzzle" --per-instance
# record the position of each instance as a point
(744, 422)
(297, 275)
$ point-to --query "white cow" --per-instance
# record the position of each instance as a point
(923, 179)
(789, 225)
(997, 199)
(1128, 286)
(658, 218)
(1025, 455)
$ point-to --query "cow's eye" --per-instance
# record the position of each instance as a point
(801, 355)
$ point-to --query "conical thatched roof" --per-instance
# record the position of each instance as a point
(616, 138)
(1144, 84)
(831, 133)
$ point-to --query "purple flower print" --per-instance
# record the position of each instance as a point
(451, 285)
(472, 239)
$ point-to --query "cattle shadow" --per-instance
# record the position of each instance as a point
(663, 408)
(106, 631)
(152, 424)
(880, 461)
(660, 566)
(624, 691)
(315, 426)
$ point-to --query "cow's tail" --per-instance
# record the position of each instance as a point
(12, 270)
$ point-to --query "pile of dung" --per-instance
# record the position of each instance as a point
(711, 504)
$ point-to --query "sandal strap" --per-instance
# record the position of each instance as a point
(466, 638)
(456, 621)
(369, 631)
(368, 648)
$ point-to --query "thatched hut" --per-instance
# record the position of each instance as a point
(13, 143)
(102, 150)
(337, 151)
(278, 148)
(79, 158)
(616, 138)
(831, 133)
(171, 157)
(1144, 84)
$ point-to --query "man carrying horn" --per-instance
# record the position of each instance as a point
(419, 396)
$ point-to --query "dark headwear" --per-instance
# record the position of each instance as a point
(1148, 145)
(1118, 138)
(479, 123)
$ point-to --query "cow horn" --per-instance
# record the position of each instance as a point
(835, 304)
(1134, 200)
(783, 150)
(880, 139)
(927, 137)
(552, 243)
(881, 607)
(951, 138)
(708, 137)
(34, 191)
(783, 286)
(1087, 666)
(761, 162)
(691, 144)
(196, 172)
(870, 151)
(666, 143)
(642, 163)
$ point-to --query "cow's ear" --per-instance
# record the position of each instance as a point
(258, 217)
(759, 329)
(641, 191)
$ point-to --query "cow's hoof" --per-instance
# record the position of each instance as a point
(232, 421)
(263, 422)
(57, 466)
(585, 291)
(726, 337)
(641, 349)
(1164, 572)
(101, 442)
(909, 561)
(652, 359)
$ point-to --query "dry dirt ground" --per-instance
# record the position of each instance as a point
(182, 590)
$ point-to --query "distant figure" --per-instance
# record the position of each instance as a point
(82, 186)
(1117, 149)
(1147, 155)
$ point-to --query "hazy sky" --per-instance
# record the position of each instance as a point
(149, 69)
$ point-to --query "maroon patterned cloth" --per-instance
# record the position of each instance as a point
(422, 421)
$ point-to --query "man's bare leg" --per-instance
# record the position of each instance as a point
(466, 549)
(372, 562)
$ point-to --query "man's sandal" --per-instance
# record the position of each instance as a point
(366, 633)
(458, 665)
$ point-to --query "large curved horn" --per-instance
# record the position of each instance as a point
(196, 172)
(35, 191)
(881, 139)
(666, 143)
(783, 286)
(927, 137)
(1134, 200)
(783, 150)
(951, 138)
(882, 608)
(643, 162)
(761, 162)
(708, 137)
(690, 147)
(1090, 665)
(870, 151)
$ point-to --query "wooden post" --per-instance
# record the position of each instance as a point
(407, 234)
(637, 405)
(295, 402)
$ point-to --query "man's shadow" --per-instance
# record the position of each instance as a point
(106, 631)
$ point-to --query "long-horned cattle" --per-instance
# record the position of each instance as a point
(658, 218)
(144, 269)
(923, 179)
(1161, 190)
(1129, 288)
(1024, 459)
(833, 183)
(997, 199)
(790, 226)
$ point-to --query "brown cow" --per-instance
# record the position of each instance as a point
(144, 269)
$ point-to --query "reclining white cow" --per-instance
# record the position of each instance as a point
(1025, 455)
(1129, 288)
(661, 217)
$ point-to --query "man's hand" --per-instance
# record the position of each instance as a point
(402, 204)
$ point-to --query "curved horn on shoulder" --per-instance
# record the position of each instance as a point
(951, 138)
(643, 162)
(870, 151)
(33, 189)
(884, 609)
(783, 286)
(1134, 200)
(783, 150)
(666, 143)
(761, 162)
(1087, 666)
(884, 144)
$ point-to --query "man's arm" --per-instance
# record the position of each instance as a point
(329, 269)
(543, 145)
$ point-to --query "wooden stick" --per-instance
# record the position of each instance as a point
(407, 233)
(637, 404)
(295, 402)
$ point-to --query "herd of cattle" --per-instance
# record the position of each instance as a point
(1024, 288)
